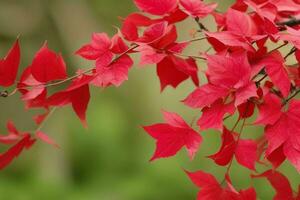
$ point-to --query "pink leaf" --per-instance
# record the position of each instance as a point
(156, 7)
(198, 8)
(45, 138)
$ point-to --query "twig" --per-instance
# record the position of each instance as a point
(293, 50)
(45, 120)
(292, 22)
(201, 26)
(291, 97)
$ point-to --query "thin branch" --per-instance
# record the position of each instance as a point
(196, 39)
(261, 79)
(291, 22)
(293, 50)
(191, 56)
(279, 47)
(201, 26)
(134, 46)
(45, 120)
(291, 97)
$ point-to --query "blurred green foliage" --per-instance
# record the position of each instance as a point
(109, 161)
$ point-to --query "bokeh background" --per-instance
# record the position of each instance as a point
(109, 160)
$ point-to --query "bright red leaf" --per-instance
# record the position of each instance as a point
(173, 70)
(77, 94)
(212, 117)
(112, 73)
(245, 151)
(48, 66)
(156, 7)
(7, 157)
(9, 66)
(280, 183)
(197, 8)
(172, 136)
(13, 134)
(285, 131)
(210, 189)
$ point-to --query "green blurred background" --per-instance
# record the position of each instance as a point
(109, 161)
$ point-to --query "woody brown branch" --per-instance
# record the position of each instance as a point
(291, 22)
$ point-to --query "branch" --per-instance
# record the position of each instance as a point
(201, 26)
(134, 46)
(291, 22)
(291, 97)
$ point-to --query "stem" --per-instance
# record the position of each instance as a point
(191, 56)
(292, 22)
(293, 50)
(196, 39)
(265, 76)
(291, 97)
(284, 44)
(238, 139)
(201, 26)
(262, 78)
(45, 120)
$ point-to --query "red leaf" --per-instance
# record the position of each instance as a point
(45, 138)
(229, 39)
(244, 93)
(48, 66)
(149, 55)
(248, 194)
(33, 92)
(113, 74)
(172, 136)
(277, 157)
(13, 134)
(205, 96)
(174, 70)
(154, 32)
(7, 157)
(118, 45)
(198, 8)
(202, 179)
(274, 64)
(241, 23)
(212, 117)
(226, 152)
(77, 94)
(292, 36)
(210, 189)
(286, 132)
(131, 23)
(246, 153)
(280, 183)
(9, 66)
(231, 71)
(156, 7)
(98, 48)
(269, 111)
(246, 110)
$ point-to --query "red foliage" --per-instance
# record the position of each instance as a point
(243, 75)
